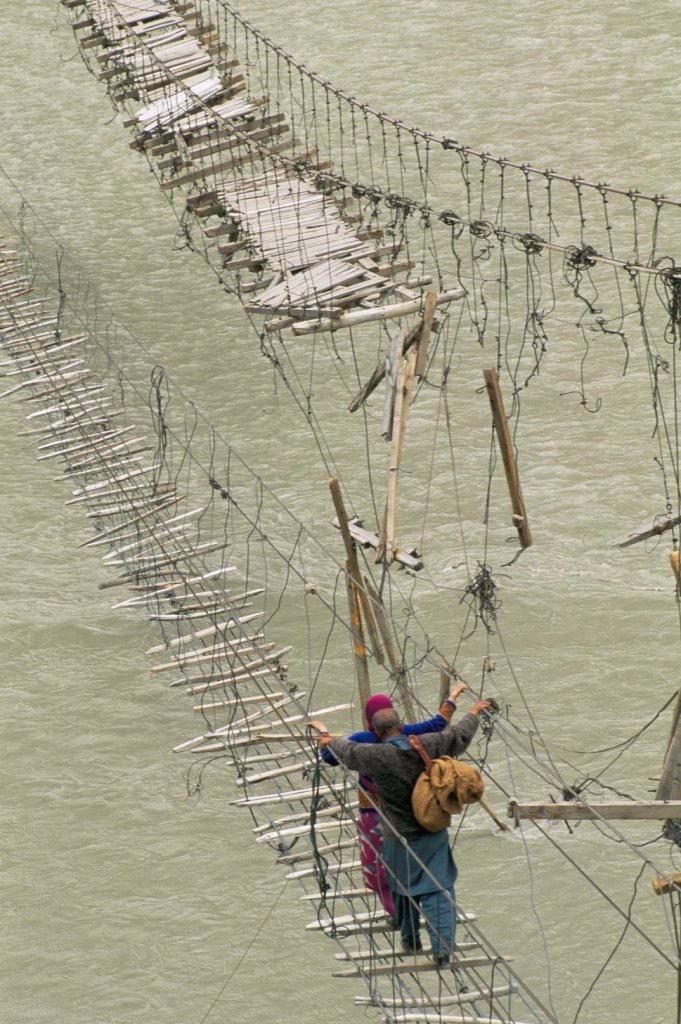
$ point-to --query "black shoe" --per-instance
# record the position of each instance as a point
(441, 959)
(391, 921)
(412, 947)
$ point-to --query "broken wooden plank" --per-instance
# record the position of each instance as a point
(408, 558)
(659, 525)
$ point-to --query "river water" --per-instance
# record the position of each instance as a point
(123, 900)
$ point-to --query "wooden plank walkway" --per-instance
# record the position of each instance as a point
(300, 260)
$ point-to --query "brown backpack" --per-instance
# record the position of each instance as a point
(444, 786)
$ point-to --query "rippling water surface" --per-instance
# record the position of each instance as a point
(124, 902)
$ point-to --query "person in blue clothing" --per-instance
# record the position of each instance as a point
(368, 821)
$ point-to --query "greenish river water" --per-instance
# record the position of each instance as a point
(125, 902)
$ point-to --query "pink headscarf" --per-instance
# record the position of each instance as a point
(378, 702)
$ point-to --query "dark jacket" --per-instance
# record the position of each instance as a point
(395, 770)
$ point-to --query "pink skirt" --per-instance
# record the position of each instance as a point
(371, 856)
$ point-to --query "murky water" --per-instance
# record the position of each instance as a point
(123, 901)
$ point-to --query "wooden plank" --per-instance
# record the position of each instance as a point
(405, 381)
(424, 336)
(398, 673)
(211, 171)
(351, 555)
(357, 633)
(298, 856)
(393, 373)
(645, 810)
(377, 376)
(663, 884)
(669, 786)
(660, 524)
(508, 456)
(405, 1005)
(419, 965)
(387, 312)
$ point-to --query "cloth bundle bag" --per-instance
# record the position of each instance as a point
(444, 786)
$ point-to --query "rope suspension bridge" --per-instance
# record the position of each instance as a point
(325, 216)
(169, 553)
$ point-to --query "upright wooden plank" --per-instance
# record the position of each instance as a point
(351, 555)
(424, 336)
(508, 456)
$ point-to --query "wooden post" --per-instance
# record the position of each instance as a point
(662, 886)
(405, 381)
(397, 668)
(486, 806)
(508, 456)
(669, 787)
(358, 647)
(393, 364)
(424, 336)
(351, 555)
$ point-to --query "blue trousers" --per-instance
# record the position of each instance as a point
(439, 914)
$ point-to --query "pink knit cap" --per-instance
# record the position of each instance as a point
(378, 702)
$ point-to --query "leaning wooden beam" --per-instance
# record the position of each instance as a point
(424, 334)
(190, 638)
(644, 810)
(351, 554)
(291, 795)
(669, 786)
(298, 831)
(434, 1017)
(358, 645)
(292, 769)
(396, 665)
(372, 955)
(244, 673)
(659, 525)
(403, 399)
(508, 456)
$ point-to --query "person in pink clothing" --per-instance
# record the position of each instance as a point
(369, 820)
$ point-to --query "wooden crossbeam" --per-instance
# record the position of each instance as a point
(508, 456)
(644, 810)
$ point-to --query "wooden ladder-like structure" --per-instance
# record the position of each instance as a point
(234, 675)
(301, 259)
